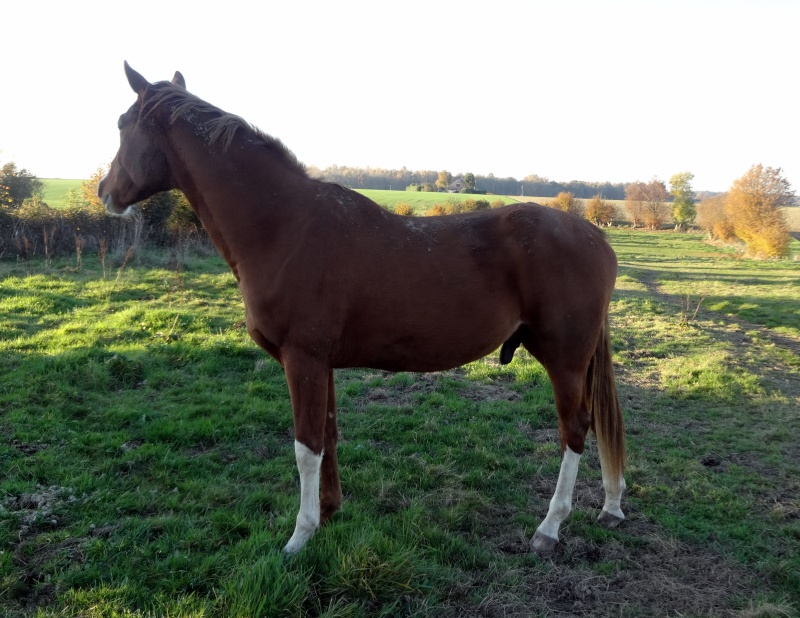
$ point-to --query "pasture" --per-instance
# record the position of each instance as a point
(55, 191)
(148, 467)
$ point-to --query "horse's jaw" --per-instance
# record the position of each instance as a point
(108, 201)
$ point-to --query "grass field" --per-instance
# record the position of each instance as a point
(55, 190)
(148, 467)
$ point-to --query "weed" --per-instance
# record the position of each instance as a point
(687, 314)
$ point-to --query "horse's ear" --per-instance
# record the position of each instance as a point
(178, 80)
(137, 82)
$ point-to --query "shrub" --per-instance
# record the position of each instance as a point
(404, 209)
(599, 211)
(473, 205)
(183, 222)
(498, 203)
(452, 207)
(437, 210)
(35, 229)
(713, 218)
(156, 212)
(754, 208)
(655, 215)
(566, 202)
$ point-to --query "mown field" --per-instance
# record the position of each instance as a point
(55, 190)
(148, 467)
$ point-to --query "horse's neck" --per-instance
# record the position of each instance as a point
(243, 196)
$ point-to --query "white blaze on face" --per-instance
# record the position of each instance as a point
(561, 503)
(308, 465)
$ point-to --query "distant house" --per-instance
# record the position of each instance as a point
(456, 185)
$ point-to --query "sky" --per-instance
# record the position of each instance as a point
(614, 90)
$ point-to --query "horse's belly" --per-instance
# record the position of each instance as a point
(434, 346)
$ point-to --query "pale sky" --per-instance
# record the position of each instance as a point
(571, 90)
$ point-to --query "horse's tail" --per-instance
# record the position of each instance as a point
(607, 420)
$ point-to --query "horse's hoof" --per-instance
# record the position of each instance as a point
(542, 544)
(292, 547)
(327, 511)
(609, 520)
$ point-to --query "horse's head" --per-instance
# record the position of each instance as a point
(140, 168)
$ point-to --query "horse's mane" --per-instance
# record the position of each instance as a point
(217, 126)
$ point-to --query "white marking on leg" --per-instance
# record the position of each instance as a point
(308, 464)
(561, 503)
(614, 489)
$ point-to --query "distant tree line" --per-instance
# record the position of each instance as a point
(399, 180)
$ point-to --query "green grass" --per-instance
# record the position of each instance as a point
(148, 467)
(56, 189)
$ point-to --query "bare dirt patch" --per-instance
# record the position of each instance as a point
(644, 572)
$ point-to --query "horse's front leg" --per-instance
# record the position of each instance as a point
(308, 381)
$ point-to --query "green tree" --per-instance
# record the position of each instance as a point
(18, 185)
(754, 209)
(469, 182)
(684, 211)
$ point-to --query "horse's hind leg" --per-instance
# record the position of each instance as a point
(614, 485)
(331, 499)
(573, 424)
(546, 536)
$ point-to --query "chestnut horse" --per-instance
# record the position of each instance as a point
(330, 279)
